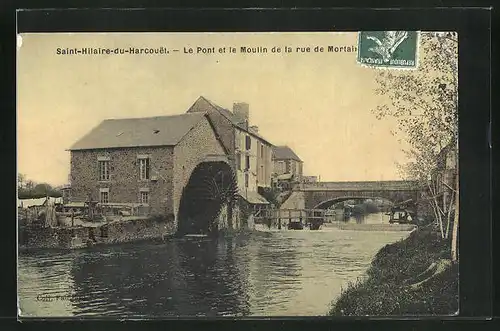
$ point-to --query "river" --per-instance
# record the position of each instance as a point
(278, 273)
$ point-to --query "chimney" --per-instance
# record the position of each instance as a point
(241, 113)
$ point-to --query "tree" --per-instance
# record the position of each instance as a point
(21, 179)
(29, 185)
(424, 103)
(28, 189)
(42, 189)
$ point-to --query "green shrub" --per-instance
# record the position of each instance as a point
(387, 290)
(161, 218)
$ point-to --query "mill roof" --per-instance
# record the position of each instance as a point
(139, 132)
(201, 105)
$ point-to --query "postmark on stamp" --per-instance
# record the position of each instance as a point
(388, 49)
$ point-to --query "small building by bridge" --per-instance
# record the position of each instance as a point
(288, 167)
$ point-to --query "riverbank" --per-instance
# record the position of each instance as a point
(411, 277)
(125, 229)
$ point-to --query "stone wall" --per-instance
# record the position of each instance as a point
(133, 230)
(124, 183)
(34, 237)
(199, 143)
(120, 231)
(224, 130)
(222, 124)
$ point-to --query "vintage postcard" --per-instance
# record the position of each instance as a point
(165, 175)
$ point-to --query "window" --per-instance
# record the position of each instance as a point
(104, 231)
(246, 180)
(144, 197)
(104, 170)
(247, 162)
(238, 161)
(248, 142)
(262, 151)
(262, 173)
(144, 168)
(104, 197)
(281, 167)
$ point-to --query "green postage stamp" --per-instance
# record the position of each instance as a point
(388, 49)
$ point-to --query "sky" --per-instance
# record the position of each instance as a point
(319, 104)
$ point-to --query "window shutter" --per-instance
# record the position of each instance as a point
(248, 143)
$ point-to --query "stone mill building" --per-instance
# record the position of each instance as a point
(187, 166)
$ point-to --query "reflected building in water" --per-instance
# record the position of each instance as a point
(179, 278)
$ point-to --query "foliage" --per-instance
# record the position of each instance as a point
(424, 103)
(162, 218)
(28, 189)
(387, 289)
(366, 207)
(370, 207)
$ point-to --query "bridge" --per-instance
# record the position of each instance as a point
(322, 195)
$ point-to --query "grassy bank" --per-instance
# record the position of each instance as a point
(399, 281)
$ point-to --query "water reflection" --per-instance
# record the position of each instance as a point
(178, 278)
(264, 274)
(373, 218)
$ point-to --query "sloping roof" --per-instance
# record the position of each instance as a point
(139, 132)
(26, 203)
(253, 197)
(201, 105)
(285, 153)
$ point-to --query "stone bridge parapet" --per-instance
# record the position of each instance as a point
(324, 194)
(393, 185)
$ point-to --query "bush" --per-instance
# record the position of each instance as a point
(387, 290)
(161, 218)
(23, 193)
(364, 208)
(371, 207)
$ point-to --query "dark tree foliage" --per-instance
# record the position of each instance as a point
(27, 189)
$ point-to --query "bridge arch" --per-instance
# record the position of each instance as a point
(210, 191)
(326, 204)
